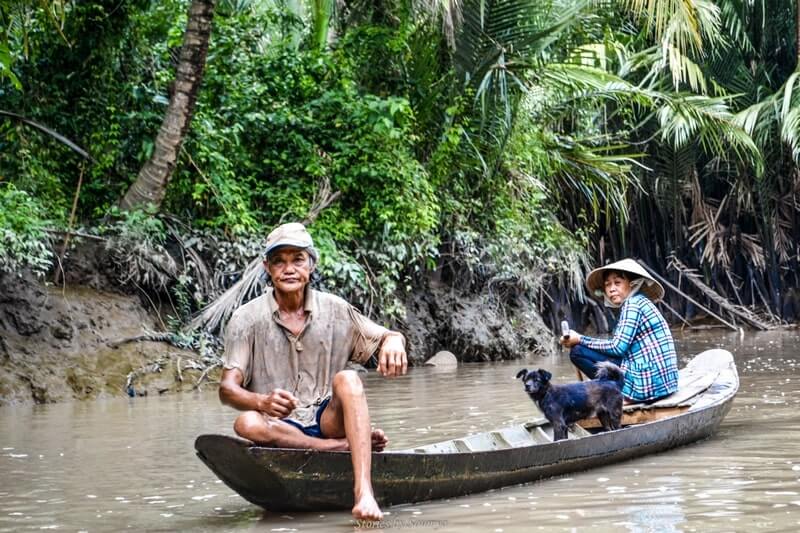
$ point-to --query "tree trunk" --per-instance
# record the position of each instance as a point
(151, 183)
(797, 33)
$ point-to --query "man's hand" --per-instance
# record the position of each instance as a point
(279, 403)
(573, 339)
(392, 359)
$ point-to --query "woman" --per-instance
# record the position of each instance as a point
(642, 344)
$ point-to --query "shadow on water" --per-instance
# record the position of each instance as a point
(116, 464)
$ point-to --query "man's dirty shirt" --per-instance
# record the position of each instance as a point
(270, 357)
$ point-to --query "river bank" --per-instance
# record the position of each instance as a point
(57, 343)
(114, 323)
(75, 340)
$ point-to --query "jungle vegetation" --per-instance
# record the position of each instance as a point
(510, 143)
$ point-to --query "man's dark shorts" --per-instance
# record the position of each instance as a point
(313, 430)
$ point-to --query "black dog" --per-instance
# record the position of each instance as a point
(566, 404)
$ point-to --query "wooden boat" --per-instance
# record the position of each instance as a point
(297, 480)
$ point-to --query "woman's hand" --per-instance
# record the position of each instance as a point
(573, 339)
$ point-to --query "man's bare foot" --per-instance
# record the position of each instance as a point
(379, 440)
(366, 508)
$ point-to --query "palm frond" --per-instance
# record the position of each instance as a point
(790, 96)
(709, 232)
(709, 121)
(790, 132)
(214, 316)
(683, 23)
(599, 173)
(498, 45)
(507, 34)
(449, 11)
(734, 22)
(684, 70)
(682, 27)
(775, 114)
(673, 169)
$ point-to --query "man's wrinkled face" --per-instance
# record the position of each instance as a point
(290, 268)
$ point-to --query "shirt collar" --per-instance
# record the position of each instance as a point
(309, 301)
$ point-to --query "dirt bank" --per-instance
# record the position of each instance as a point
(54, 343)
(475, 327)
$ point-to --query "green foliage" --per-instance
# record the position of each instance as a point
(23, 243)
(181, 303)
(136, 226)
(515, 138)
(289, 120)
(136, 244)
(5, 66)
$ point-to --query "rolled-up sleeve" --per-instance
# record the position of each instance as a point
(239, 346)
(624, 334)
(368, 336)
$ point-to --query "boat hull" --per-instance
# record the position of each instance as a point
(305, 480)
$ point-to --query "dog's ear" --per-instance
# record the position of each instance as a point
(545, 374)
(522, 373)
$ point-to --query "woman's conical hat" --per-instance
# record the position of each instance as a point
(651, 288)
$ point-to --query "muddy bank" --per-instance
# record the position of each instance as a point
(56, 343)
(475, 327)
(59, 342)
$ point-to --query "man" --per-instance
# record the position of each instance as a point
(285, 358)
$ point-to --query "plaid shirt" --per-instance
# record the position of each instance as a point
(643, 340)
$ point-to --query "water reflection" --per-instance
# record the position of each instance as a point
(115, 464)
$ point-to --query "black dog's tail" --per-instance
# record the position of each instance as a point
(607, 371)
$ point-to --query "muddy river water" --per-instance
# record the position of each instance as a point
(117, 464)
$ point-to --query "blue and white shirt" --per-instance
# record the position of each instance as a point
(644, 342)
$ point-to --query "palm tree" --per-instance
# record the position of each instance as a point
(731, 216)
(151, 183)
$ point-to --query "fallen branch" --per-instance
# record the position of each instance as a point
(150, 337)
(735, 310)
(205, 374)
(674, 312)
(761, 296)
(74, 234)
(687, 297)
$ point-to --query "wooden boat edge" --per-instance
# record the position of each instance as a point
(639, 408)
(333, 468)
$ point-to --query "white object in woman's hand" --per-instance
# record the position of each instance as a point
(570, 340)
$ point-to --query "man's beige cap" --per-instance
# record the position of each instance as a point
(651, 288)
(290, 234)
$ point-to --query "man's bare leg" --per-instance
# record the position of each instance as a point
(269, 431)
(347, 415)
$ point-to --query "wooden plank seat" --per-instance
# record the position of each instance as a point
(691, 383)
